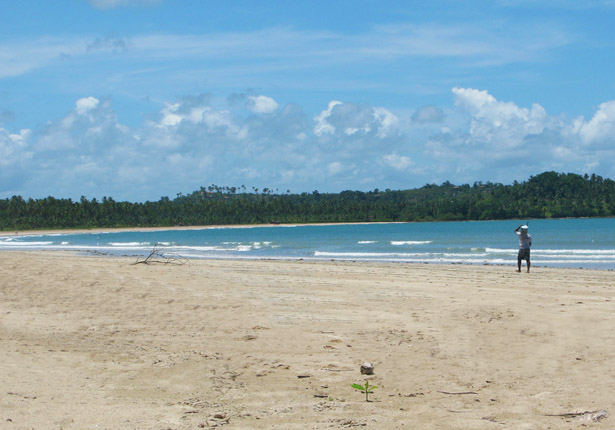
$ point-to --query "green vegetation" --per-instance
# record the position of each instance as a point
(548, 195)
(365, 389)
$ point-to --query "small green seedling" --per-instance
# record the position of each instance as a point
(367, 389)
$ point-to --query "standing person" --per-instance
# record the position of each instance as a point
(525, 242)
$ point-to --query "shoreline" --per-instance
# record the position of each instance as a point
(13, 233)
(307, 260)
(110, 251)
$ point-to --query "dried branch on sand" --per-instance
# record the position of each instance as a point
(584, 416)
(158, 257)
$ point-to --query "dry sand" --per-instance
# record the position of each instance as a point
(99, 343)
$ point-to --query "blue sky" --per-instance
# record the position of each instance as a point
(138, 99)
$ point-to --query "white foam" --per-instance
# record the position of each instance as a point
(410, 242)
(408, 258)
(25, 244)
(575, 257)
(462, 254)
(498, 250)
(576, 251)
(368, 254)
(217, 249)
(562, 252)
(199, 248)
(366, 241)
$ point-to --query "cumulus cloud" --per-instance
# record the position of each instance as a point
(86, 150)
(194, 140)
(262, 104)
(15, 155)
(503, 141)
(335, 167)
(502, 123)
(193, 117)
(497, 136)
(348, 119)
(398, 162)
(387, 122)
(222, 142)
(322, 120)
(86, 104)
(197, 140)
(12, 145)
(601, 128)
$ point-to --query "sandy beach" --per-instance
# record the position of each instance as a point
(14, 233)
(101, 343)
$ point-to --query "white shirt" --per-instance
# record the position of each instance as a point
(525, 240)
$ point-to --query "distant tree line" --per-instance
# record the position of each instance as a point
(547, 195)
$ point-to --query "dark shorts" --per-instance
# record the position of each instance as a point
(524, 254)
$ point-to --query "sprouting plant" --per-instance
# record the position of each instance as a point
(364, 389)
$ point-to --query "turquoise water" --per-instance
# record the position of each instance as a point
(586, 243)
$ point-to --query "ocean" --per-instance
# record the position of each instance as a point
(577, 243)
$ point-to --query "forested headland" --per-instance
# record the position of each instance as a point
(547, 195)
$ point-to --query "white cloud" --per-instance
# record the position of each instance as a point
(322, 125)
(262, 104)
(20, 139)
(91, 127)
(197, 117)
(503, 141)
(502, 123)
(12, 145)
(170, 116)
(335, 167)
(398, 162)
(223, 120)
(196, 140)
(353, 121)
(601, 128)
(387, 122)
(86, 104)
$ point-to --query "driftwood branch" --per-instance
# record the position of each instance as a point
(156, 256)
(585, 415)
